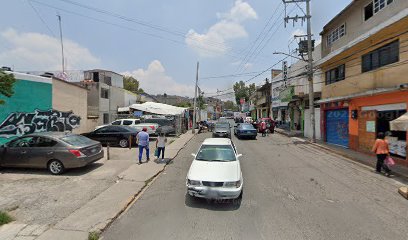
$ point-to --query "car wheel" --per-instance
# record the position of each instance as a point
(254, 138)
(55, 167)
(123, 143)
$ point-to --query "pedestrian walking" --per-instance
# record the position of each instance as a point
(381, 149)
(161, 145)
(143, 143)
(263, 128)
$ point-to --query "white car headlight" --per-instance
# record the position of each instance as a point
(236, 184)
(193, 182)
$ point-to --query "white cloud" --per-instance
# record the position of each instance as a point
(246, 65)
(36, 51)
(154, 80)
(297, 32)
(213, 42)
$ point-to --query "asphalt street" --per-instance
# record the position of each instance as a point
(292, 190)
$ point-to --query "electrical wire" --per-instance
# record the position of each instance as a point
(260, 33)
(219, 46)
(42, 20)
(129, 28)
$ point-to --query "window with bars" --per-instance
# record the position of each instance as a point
(380, 57)
(336, 34)
(374, 7)
(336, 74)
(104, 93)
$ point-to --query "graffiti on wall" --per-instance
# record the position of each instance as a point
(18, 124)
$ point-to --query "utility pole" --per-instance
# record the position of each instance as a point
(271, 100)
(307, 17)
(195, 100)
(62, 44)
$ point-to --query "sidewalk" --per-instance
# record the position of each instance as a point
(96, 214)
(363, 158)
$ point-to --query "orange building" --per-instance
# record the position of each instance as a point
(365, 67)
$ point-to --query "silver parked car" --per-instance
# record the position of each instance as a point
(55, 151)
(222, 130)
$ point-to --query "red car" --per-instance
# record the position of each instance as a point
(267, 120)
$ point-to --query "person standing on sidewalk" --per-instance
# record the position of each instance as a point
(381, 149)
(161, 145)
(143, 142)
(263, 128)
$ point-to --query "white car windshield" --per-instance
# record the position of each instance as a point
(220, 153)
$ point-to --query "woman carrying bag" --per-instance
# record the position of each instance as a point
(161, 144)
(381, 149)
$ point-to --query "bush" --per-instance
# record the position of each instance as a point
(5, 218)
(93, 235)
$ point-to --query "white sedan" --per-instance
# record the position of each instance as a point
(215, 172)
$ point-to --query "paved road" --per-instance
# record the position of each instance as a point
(291, 191)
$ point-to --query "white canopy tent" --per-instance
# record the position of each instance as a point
(158, 108)
(400, 124)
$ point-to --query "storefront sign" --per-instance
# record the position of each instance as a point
(286, 95)
(370, 126)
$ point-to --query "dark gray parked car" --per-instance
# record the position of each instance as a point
(166, 126)
(222, 129)
(55, 151)
(243, 130)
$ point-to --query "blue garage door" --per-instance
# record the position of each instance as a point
(337, 127)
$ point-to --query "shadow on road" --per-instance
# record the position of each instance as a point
(44, 172)
(214, 205)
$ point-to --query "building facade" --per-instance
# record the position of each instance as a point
(364, 67)
(42, 104)
(106, 94)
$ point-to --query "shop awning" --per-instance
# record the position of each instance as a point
(158, 108)
(400, 124)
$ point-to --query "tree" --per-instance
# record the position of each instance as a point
(183, 104)
(230, 105)
(132, 84)
(243, 91)
(6, 85)
(200, 102)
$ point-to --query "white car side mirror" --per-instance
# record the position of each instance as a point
(239, 155)
(194, 155)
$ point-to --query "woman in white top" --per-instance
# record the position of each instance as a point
(161, 144)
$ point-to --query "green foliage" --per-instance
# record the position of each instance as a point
(5, 218)
(243, 91)
(93, 235)
(6, 85)
(132, 84)
(231, 106)
(183, 104)
(200, 102)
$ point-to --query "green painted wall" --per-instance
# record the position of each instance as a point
(28, 96)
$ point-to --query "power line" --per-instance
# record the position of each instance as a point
(125, 27)
(42, 20)
(259, 74)
(260, 33)
(231, 75)
(256, 44)
(220, 46)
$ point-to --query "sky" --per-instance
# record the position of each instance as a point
(159, 42)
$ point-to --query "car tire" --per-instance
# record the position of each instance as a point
(254, 138)
(55, 167)
(123, 143)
